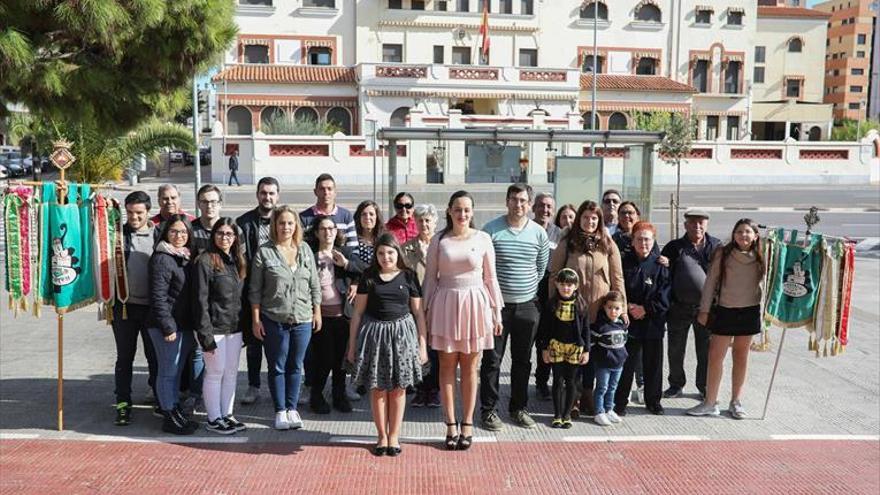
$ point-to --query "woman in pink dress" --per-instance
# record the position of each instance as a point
(464, 310)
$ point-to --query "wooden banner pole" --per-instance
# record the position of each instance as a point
(60, 372)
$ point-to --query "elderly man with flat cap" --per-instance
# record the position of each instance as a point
(689, 257)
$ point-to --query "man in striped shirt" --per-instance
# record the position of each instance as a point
(325, 204)
(522, 250)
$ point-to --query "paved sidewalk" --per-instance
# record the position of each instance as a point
(629, 468)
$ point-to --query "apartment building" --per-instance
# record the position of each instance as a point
(848, 61)
(787, 82)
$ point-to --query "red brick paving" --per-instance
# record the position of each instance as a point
(740, 467)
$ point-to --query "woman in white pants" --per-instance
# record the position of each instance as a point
(218, 278)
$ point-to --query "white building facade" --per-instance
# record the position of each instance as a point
(349, 63)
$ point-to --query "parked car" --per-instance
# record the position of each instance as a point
(16, 166)
(205, 156)
(175, 156)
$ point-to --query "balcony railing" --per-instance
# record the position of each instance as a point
(426, 74)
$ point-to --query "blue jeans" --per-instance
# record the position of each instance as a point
(285, 346)
(170, 357)
(198, 372)
(606, 385)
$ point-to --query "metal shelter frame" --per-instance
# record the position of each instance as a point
(647, 139)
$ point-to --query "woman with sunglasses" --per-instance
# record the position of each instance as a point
(403, 224)
(218, 279)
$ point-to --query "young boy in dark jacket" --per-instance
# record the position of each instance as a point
(609, 353)
(564, 340)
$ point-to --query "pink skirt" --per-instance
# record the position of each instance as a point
(460, 318)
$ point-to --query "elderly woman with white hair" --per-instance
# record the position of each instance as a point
(414, 254)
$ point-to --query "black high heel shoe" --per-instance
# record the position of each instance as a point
(464, 442)
(452, 440)
(379, 450)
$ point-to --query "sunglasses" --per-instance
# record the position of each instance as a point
(609, 201)
(401, 206)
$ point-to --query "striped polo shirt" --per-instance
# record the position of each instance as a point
(343, 218)
(521, 258)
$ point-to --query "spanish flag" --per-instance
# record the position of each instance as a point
(484, 31)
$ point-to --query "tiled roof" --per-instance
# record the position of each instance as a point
(614, 82)
(293, 74)
(792, 12)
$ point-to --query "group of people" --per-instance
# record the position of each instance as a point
(405, 306)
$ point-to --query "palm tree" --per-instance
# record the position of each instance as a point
(99, 158)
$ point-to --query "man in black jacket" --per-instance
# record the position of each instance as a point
(689, 258)
(233, 168)
(254, 227)
(130, 316)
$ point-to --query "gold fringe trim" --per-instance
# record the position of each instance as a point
(763, 345)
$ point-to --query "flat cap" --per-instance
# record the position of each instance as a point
(696, 213)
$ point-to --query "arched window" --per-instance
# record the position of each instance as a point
(617, 122)
(339, 117)
(588, 11)
(398, 117)
(587, 122)
(304, 114)
(648, 13)
(238, 121)
(270, 114)
(815, 133)
(795, 45)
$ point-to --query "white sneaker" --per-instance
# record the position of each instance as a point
(640, 396)
(281, 421)
(602, 419)
(704, 410)
(251, 396)
(736, 410)
(305, 392)
(613, 417)
(294, 420)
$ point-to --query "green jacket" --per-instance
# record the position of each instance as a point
(285, 294)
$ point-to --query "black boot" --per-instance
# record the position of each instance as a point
(341, 402)
(317, 403)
